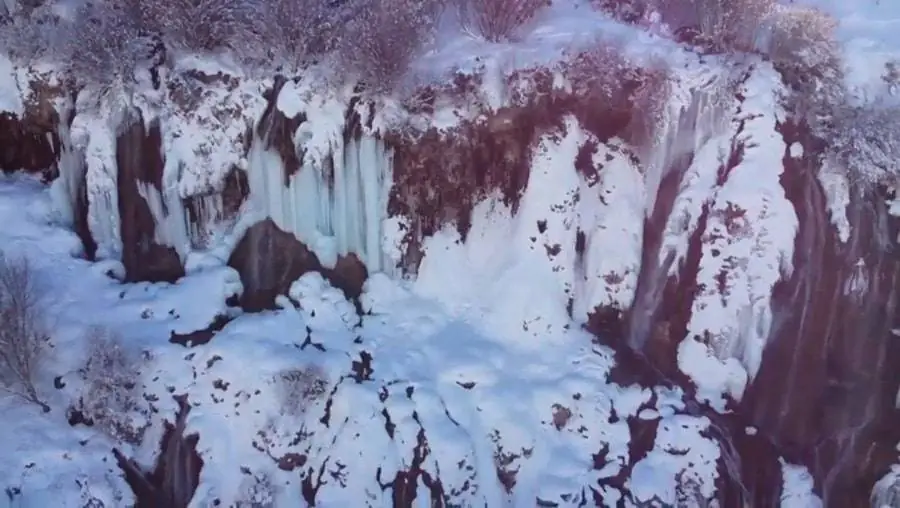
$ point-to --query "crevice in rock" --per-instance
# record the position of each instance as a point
(176, 476)
(200, 337)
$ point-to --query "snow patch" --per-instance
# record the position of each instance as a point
(10, 96)
(797, 487)
(836, 186)
(746, 248)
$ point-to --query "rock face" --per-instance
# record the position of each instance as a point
(827, 387)
(270, 260)
(177, 473)
(824, 393)
(26, 145)
(140, 162)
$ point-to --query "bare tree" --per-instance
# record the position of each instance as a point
(111, 398)
(865, 140)
(383, 38)
(24, 335)
(31, 35)
(289, 33)
(497, 20)
(802, 45)
(104, 44)
(200, 25)
(726, 24)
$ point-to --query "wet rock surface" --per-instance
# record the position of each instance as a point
(174, 480)
(269, 260)
(140, 161)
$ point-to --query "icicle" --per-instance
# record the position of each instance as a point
(168, 213)
(98, 142)
(64, 190)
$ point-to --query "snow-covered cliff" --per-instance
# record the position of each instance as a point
(613, 272)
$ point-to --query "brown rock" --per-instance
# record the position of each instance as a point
(139, 158)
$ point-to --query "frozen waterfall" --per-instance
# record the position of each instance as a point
(335, 207)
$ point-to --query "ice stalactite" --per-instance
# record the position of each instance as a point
(202, 215)
(336, 201)
(71, 166)
(169, 215)
(69, 192)
(94, 135)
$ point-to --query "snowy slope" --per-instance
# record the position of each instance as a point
(430, 371)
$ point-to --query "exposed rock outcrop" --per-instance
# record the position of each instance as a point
(824, 393)
(140, 162)
(176, 476)
(270, 260)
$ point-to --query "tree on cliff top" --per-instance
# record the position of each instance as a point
(497, 20)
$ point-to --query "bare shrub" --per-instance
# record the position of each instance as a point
(24, 335)
(597, 73)
(386, 36)
(725, 24)
(104, 45)
(629, 11)
(300, 386)
(865, 140)
(200, 25)
(639, 91)
(257, 491)
(688, 493)
(111, 399)
(292, 32)
(497, 20)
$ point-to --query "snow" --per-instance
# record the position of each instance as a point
(678, 444)
(836, 185)
(206, 122)
(478, 397)
(482, 353)
(520, 272)
(885, 493)
(10, 96)
(798, 487)
(747, 247)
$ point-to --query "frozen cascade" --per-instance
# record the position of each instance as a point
(64, 190)
(203, 219)
(169, 216)
(694, 114)
(95, 137)
(336, 207)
